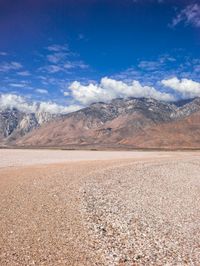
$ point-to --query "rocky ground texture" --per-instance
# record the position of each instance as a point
(133, 211)
(145, 214)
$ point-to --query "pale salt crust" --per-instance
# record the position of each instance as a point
(20, 157)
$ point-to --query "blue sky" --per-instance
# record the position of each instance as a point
(77, 52)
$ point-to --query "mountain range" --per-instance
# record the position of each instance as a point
(122, 124)
(15, 123)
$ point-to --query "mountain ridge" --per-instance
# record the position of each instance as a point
(128, 123)
(15, 123)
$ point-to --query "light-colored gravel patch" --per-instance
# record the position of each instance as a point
(144, 214)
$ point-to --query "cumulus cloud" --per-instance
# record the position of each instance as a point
(65, 93)
(54, 108)
(186, 87)
(21, 103)
(109, 89)
(188, 15)
(15, 101)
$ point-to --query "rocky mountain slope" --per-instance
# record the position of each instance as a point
(129, 123)
(15, 123)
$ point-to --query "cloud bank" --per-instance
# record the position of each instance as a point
(80, 95)
(186, 87)
(109, 89)
(22, 104)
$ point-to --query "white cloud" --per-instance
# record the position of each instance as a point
(161, 62)
(18, 85)
(61, 59)
(186, 87)
(75, 64)
(6, 67)
(56, 57)
(15, 101)
(24, 73)
(52, 69)
(65, 93)
(63, 67)
(109, 89)
(42, 91)
(3, 54)
(149, 65)
(19, 102)
(54, 108)
(188, 15)
(57, 48)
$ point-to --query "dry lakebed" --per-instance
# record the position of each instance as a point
(99, 207)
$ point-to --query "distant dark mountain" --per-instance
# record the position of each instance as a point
(128, 123)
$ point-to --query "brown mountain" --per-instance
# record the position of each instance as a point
(123, 123)
(181, 134)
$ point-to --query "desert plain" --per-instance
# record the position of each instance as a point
(99, 207)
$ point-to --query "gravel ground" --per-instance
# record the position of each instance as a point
(139, 211)
(145, 214)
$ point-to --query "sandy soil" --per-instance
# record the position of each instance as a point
(20, 157)
(99, 208)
